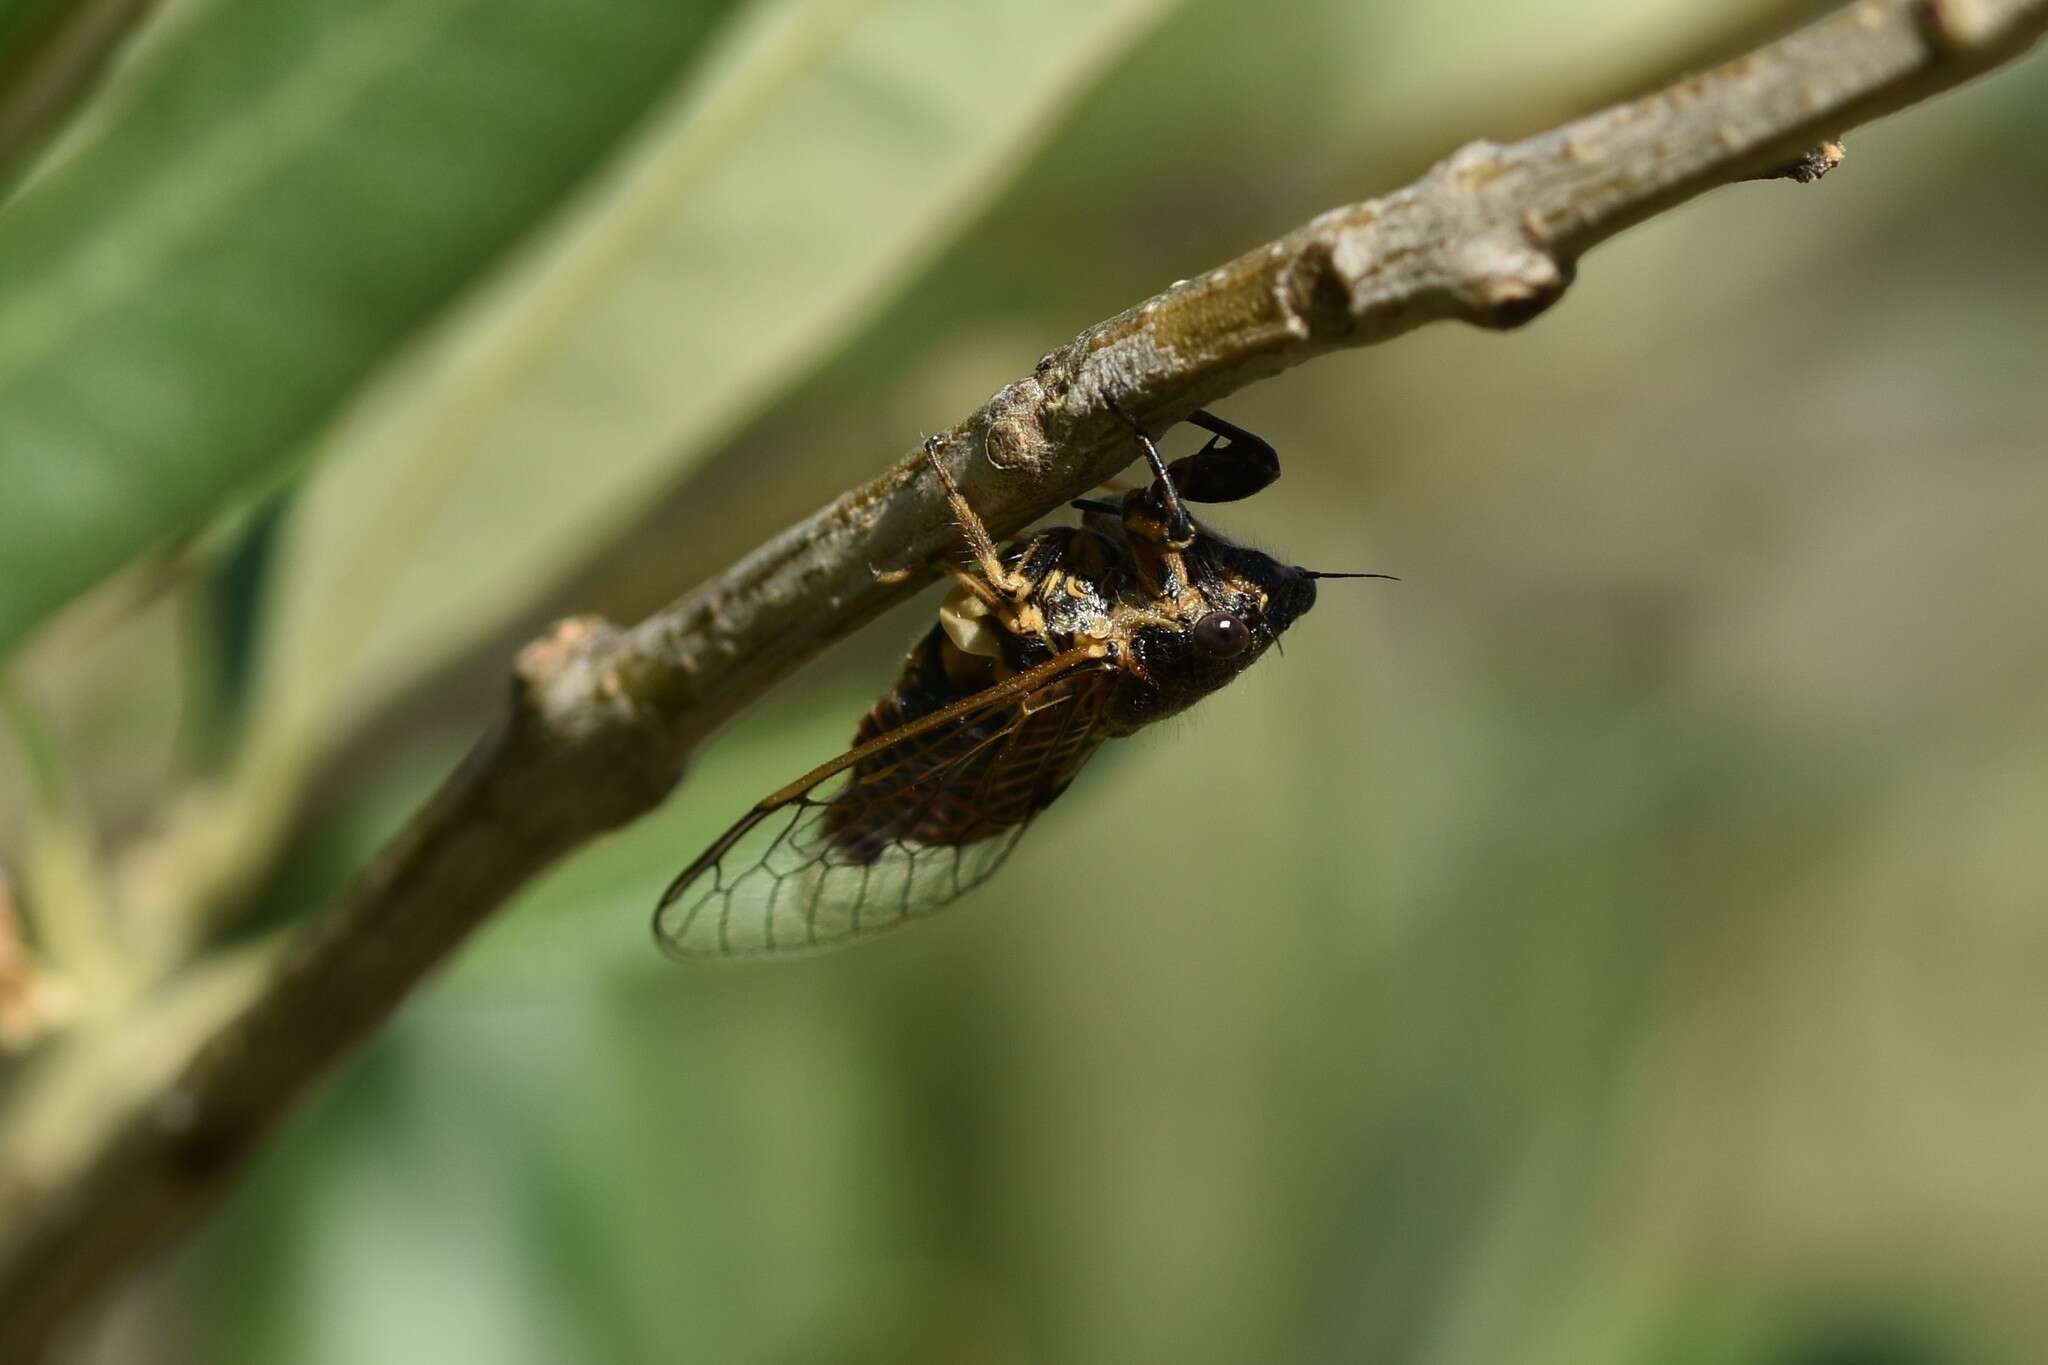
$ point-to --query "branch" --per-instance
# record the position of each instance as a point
(602, 719)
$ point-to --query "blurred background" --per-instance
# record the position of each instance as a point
(1621, 940)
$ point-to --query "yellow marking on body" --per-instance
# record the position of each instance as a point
(966, 620)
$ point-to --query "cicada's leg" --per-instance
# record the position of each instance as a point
(997, 584)
(1234, 464)
(1179, 528)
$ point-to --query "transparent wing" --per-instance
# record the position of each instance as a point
(894, 828)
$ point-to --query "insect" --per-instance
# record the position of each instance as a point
(1042, 651)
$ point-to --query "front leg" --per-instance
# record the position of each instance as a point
(1175, 527)
(999, 585)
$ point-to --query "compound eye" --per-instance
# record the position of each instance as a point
(1223, 632)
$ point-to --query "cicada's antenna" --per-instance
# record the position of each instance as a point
(1317, 573)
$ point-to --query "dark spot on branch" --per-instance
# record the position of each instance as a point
(1513, 281)
(1943, 26)
(1314, 293)
(1808, 167)
(201, 1146)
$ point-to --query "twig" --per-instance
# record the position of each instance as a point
(1809, 167)
(602, 719)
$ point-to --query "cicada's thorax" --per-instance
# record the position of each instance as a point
(1001, 771)
(1119, 586)
(1076, 576)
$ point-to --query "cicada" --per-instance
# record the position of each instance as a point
(1042, 650)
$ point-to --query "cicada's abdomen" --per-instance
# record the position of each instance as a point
(967, 783)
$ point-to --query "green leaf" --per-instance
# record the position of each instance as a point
(52, 54)
(834, 147)
(291, 192)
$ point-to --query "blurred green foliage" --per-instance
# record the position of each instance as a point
(291, 189)
(1619, 941)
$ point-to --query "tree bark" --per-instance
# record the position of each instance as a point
(601, 719)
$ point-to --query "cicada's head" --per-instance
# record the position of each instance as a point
(1198, 608)
(1215, 607)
